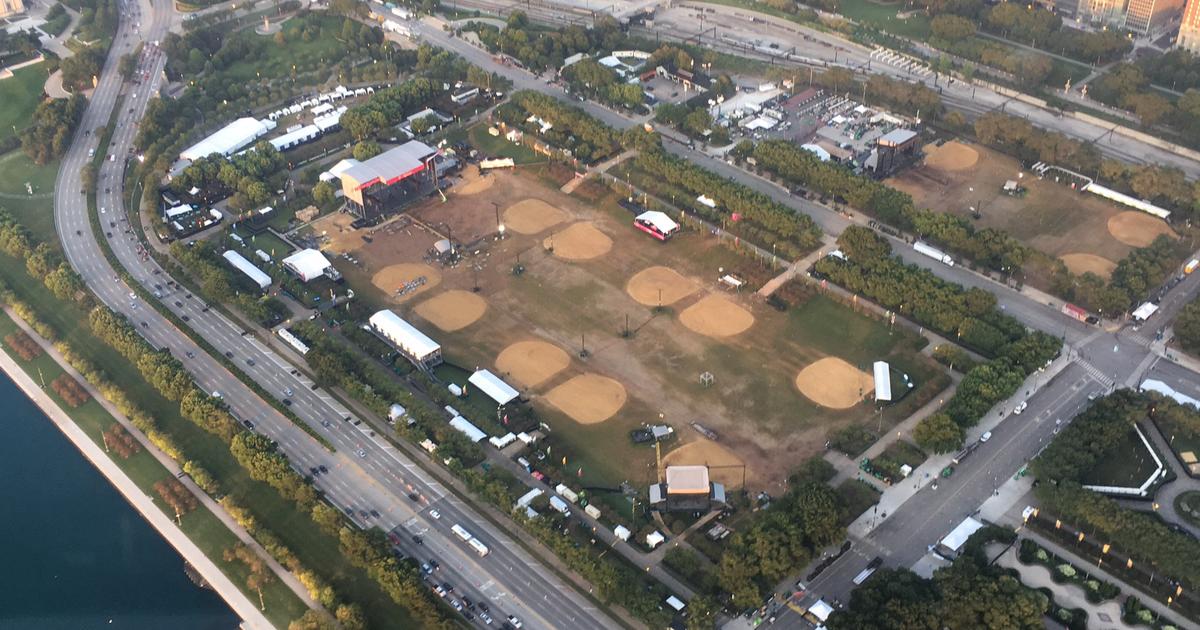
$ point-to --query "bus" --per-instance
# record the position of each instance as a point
(862, 577)
(460, 532)
(479, 547)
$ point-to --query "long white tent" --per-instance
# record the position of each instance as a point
(229, 138)
(464, 426)
(491, 385)
(406, 337)
(883, 381)
(245, 266)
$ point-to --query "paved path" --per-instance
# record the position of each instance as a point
(1166, 494)
(144, 504)
(1106, 614)
(285, 576)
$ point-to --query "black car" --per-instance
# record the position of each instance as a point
(249, 425)
(322, 468)
(446, 585)
(417, 539)
(228, 355)
(313, 471)
(414, 496)
(287, 402)
(468, 603)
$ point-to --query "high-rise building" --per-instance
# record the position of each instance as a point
(1101, 11)
(1189, 29)
(1149, 16)
(9, 7)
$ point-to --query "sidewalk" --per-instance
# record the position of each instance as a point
(252, 617)
(206, 501)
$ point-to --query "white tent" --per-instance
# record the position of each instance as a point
(820, 610)
(659, 220)
(463, 426)
(1143, 312)
(229, 138)
(405, 336)
(883, 381)
(654, 539)
(307, 264)
(245, 266)
(491, 385)
(622, 532)
(957, 537)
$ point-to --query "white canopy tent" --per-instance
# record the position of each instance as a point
(495, 388)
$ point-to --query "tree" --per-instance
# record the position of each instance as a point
(312, 620)
(363, 151)
(1150, 107)
(324, 193)
(938, 433)
(951, 28)
(1187, 327)
(351, 617)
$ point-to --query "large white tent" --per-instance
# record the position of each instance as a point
(307, 264)
(229, 138)
(491, 385)
(245, 266)
(406, 338)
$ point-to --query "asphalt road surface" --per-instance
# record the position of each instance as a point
(365, 473)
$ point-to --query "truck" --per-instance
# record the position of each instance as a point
(560, 506)
(1072, 311)
(934, 253)
(479, 547)
(1191, 266)
(566, 493)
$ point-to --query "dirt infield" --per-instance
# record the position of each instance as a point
(716, 316)
(530, 216)
(720, 460)
(473, 182)
(952, 156)
(580, 241)
(659, 286)
(393, 278)
(452, 310)
(531, 363)
(1080, 264)
(588, 398)
(833, 383)
(1137, 228)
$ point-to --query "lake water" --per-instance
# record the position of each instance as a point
(75, 555)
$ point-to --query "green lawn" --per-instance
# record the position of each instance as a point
(297, 531)
(904, 453)
(883, 17)
(35, 212)
(200, 525)
(20, 95)
(498, 146)
(1130, 465)
(268, 242)
(1187, 505)
(277, 61)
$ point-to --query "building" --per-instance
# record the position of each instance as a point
(1150, 16)
(310, 264)
(687, 488)
(255, 274)
(895, 149)
(412, 343)
(11, 7)
(229, 139)
(384, 184)
(1189, 29)
(1101, 11)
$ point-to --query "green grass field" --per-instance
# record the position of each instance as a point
(277, 61)
(497, 146)
(1130, 465)
(200, 525)
(35, 212)
(20, 95)
(297, 531)
(883, 17)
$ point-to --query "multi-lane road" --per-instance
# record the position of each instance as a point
(366, 475)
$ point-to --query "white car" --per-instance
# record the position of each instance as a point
(434, 514)
(987, 435)
(515, 621)
(1021, 407)
(360, 452)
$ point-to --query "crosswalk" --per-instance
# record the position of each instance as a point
(1095, 373)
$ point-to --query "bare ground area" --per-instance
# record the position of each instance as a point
(452, 310)
(588, 398)
(725, 467)
(531, 363)
(1138, 229)
(716, 316)
(1080, 264)
(833, 383)
(660, 286)
(580, 241)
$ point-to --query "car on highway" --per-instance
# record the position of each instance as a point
(426, 569)
(287, 391)
(1094, 395)
(249, 425)
(987, 435)
(287, 402)
(515, 621)
(413, 496)
(418, 540)
(485, 618)
(440, 590)
(434, 514)
(322, 468)
(360, 452)
(1021, 407)
(456, 605)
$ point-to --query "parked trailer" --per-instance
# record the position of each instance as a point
(479, 547)
(933, 253)
(461, 533)
(560, 506)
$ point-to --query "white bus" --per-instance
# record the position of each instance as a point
(460, 532)
(479, 547)
(862, 577)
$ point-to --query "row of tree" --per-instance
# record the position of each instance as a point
(766, 221)
(1135, 279)
(1127, 86)
(1092, 437)
(540, 48)
(220, 283)
(251, 176)
(574, 130)
(388, 108)
(119, 441)
(992, 248)
(1187, 327)
(53, 125)
(590, 78)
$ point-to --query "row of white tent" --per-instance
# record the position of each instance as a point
(307, 133)
(318, 102)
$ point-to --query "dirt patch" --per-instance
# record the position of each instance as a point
(659, 286)
(530, 216)
(401, 282)
(833, 383)
(588, 398)
(336, 227)
(531, 363)
(724, 466)
(452, 310)
(1137, 228)
(473, 181)
(952, 156)
(580, 241)
(716, 316)
(1080, 264)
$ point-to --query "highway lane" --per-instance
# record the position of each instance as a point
(380, 478)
